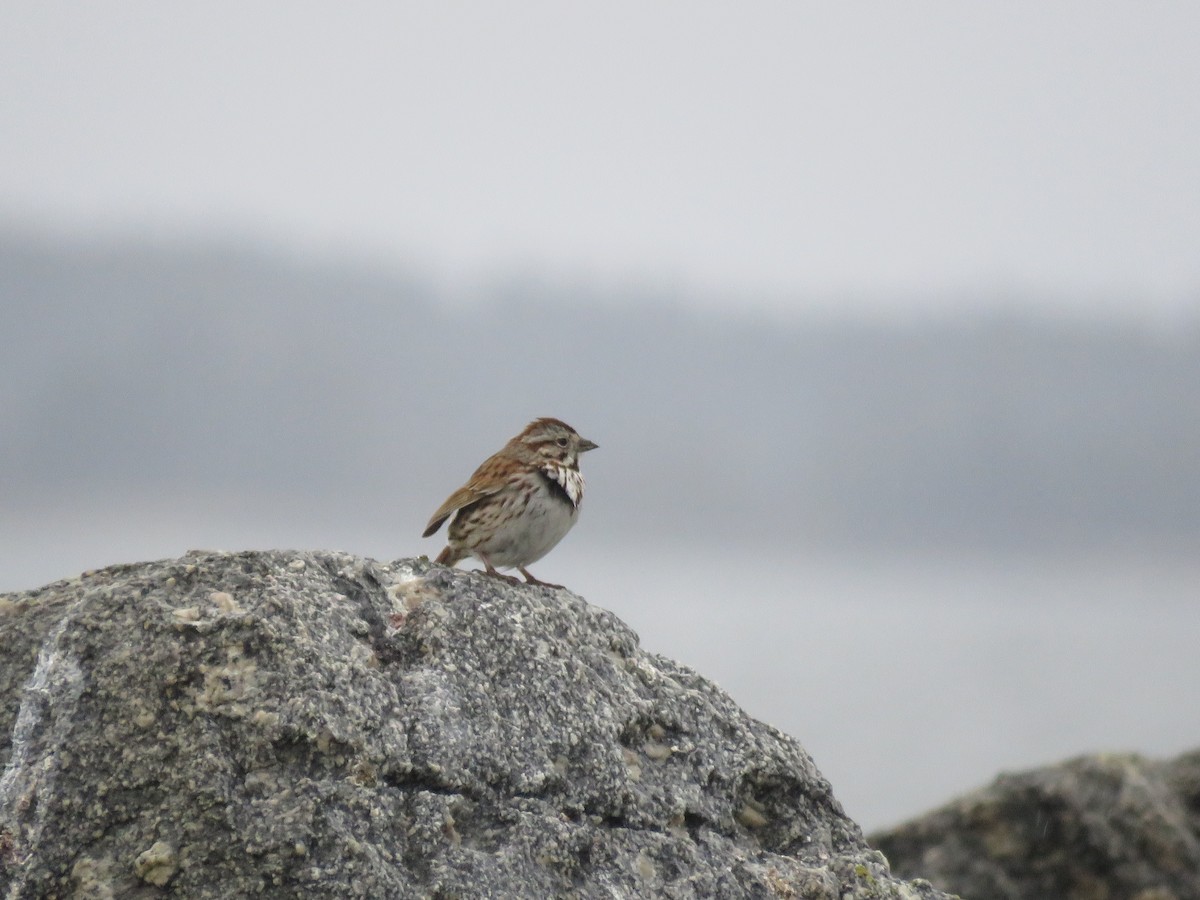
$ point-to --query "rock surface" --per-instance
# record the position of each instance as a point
(320, 725)
(1102, 827)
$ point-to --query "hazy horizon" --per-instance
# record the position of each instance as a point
(1001, 428)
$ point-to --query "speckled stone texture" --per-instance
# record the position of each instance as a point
(1094, 828)
(323, 726)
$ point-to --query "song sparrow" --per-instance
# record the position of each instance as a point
(519, 503)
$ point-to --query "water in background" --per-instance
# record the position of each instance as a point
(913, 679)
(908, 678)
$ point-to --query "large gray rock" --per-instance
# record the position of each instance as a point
(320, 725)
(1093, 828)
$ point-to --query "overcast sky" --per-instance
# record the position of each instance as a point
(801, 151)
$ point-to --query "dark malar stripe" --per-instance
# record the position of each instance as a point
(557, 489)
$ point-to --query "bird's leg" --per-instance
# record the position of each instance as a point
(491, 570)
(529, 579)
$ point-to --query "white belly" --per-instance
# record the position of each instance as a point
(530, 531)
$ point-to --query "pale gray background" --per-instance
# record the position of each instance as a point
(885, 318)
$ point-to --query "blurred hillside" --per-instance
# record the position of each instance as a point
(136, 369)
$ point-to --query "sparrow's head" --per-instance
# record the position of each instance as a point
(552, 440)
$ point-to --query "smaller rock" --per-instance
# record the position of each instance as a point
(1098, 826)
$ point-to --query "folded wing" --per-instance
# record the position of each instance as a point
(466, 495)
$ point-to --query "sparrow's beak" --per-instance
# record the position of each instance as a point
(586, 445)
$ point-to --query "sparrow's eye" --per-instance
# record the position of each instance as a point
(562, 442)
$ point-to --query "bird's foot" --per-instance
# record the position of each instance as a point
(529, 579)
(511, 579)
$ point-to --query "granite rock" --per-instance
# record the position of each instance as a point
(274, 724)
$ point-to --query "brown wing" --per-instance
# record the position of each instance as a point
(464, 496)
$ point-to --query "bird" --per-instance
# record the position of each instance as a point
(519, 503)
